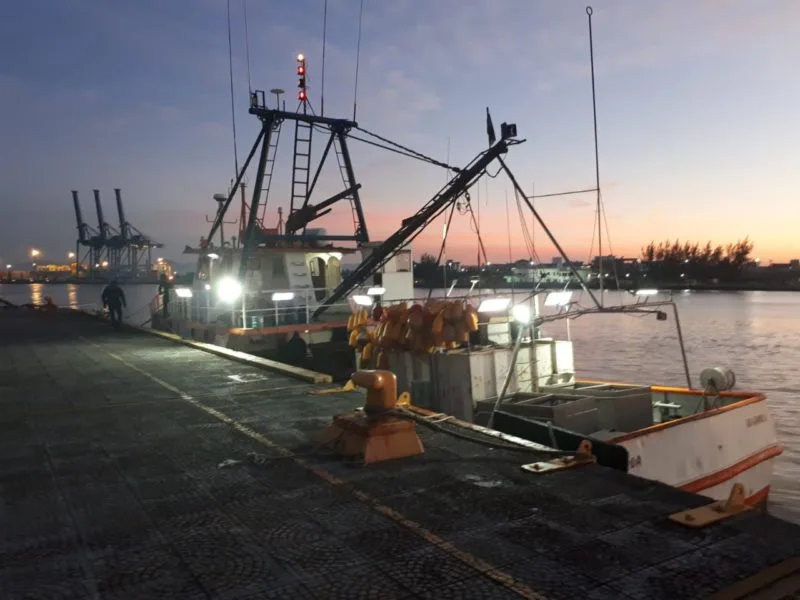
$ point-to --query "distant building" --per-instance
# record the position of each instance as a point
(552, 274)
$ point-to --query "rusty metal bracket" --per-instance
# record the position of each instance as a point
(716, 511)
(347, 387)
(404, 399)
(584, 457)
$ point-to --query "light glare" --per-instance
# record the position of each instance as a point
(229, 289)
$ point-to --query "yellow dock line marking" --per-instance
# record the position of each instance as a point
(467, 558)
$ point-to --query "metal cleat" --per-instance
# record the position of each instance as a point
(716, 511)
(584, 457)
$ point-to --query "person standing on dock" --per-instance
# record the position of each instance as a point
(114, 300)
(164, 287)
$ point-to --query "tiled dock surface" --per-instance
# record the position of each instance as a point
(110, 446)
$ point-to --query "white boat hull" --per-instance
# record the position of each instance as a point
(709, 452)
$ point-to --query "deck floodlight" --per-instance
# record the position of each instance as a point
(376, 291)
(521, 313)
(558, 298)
(213, 256)
(182, 292)
(229, 289)
(362, 300)
(282, 296)
(645, 292)
(494, 305)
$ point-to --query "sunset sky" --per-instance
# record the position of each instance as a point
(697, 106)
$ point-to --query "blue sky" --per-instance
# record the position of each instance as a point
(697, 110)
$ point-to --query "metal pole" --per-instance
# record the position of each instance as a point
(596, 158)
(244, 311)
(511, 370)
(266, 134)
(683, 347)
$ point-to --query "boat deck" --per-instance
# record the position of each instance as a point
(134, 467)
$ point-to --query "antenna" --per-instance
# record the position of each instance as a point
(358, 55)
(233, 104)
(596, 160)
(324, 38)
(277, 92)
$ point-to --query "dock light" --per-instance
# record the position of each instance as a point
(182, 292)
(362, 300)
(282, 296)
(35, 253)
(229, 289)
(494, 305)
(376, 291)
(645, 292)
(558, 298)
(8, 267)
(521, 313)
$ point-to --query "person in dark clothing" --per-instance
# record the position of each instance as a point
(114, 300)
(164, 288)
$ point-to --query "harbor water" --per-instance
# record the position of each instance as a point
(757, 334)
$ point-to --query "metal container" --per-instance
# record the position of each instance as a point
(621, 408)
(575, 413)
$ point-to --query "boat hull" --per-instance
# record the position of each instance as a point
(708, 453)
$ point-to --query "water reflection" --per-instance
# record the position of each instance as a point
(72, 295)
(36, 293)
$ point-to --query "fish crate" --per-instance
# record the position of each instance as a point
(572, 412)
(621, 408)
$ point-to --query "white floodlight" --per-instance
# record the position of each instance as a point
(494, 305)
(182, 292)
(376, 291)
(558, 298)
(521, 313)
(282, 296)
(213, 256)
(207, 286)
(229, 289)
(362, 300)
(645, 292)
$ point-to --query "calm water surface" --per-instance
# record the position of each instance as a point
(757, 334)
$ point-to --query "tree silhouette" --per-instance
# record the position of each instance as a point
(676, 260)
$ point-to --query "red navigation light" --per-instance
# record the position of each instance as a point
(301, 95)
(301, 69)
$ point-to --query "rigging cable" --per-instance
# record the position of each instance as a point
(324, 40)
(233, 104)
(409, 150)
(608, 237)
(596, 157)
(358, 57)
(444, 243)
(247, 46)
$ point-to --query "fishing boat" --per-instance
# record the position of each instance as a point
(481, 358)
(510, 376)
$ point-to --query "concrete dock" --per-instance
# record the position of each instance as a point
(135, 467)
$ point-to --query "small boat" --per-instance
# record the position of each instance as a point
(512, 378)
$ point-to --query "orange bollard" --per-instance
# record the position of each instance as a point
(374, 433)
